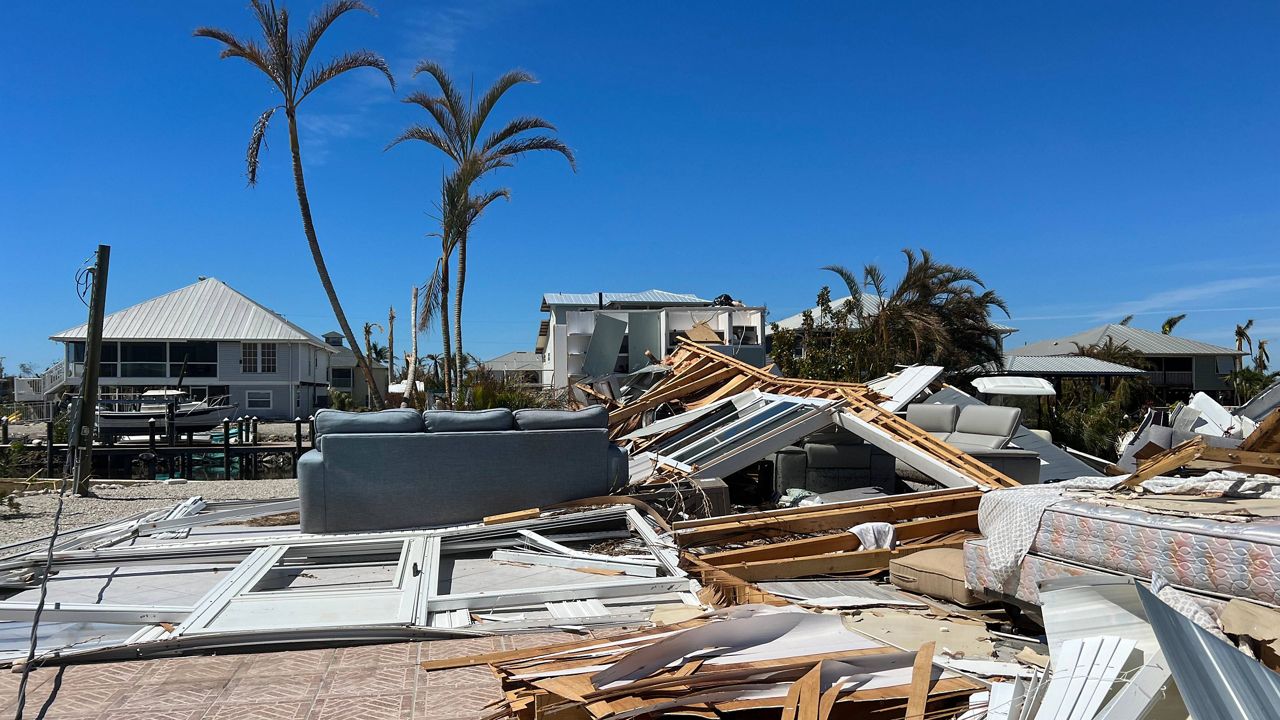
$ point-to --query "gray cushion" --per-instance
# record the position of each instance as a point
(987, 420)
(468, 420)
(399, 420)
(933, 418)
(595, 416)
(822, 455)
(970, 442)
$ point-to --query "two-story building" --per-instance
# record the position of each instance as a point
(595, 334)
(345, 375)
(1176, 367)
(219, 341)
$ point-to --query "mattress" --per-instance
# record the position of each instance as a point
(1035, 570)
(1240, 559)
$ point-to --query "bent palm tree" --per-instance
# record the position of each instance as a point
(1263, 358)
(936, 313)
(1171, 323)
(283, 58)
(1242, 336)
(456, 128)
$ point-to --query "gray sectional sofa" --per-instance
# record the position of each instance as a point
(399, 469)
(983, 431)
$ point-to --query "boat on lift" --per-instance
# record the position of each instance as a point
(118, 418)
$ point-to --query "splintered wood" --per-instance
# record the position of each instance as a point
(700, 376)
(1197, 454)
(755, 661)
(815, 541)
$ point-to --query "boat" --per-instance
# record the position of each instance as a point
(117, 418)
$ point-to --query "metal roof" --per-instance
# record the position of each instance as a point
(1061, 365)
(206, 310)
(870, 306)
(1136, 339)
(647, 297)
(514, 361)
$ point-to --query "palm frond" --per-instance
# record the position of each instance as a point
(431, 297)
(514, 128)
(509, 79)
(515, 148)
(851, 280)
(426, 135)
(316, 28)
(453, 99)
(256, 139)
(439, 109)
(1126, 320)
(345, 63)
(1171, 323)
(247, 50)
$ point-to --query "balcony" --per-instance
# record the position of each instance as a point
(1171, 378)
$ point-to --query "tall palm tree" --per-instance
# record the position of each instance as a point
(1263, 358)
(1171, 323)
(283, 58)
(456, 130)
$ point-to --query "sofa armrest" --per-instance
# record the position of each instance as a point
(1021, 465)
(312, 505)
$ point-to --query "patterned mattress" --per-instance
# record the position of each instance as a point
(1035, 570)
(1236, 559)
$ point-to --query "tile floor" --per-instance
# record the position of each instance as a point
(372, 682)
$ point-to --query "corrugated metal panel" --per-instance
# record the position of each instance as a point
(206, 310)
(1143, 341)
(1065, 365)
(870, 304)
(649, 297)
(1216, 681)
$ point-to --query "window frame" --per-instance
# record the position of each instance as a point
(249, 399)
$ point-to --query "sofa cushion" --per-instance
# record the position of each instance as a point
(985, 426)
(938, 573)
(933, 419)
(492, 420)
(595, 416)
(399, 420)
(821, 455)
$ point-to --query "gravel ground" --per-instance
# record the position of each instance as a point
(34, 517)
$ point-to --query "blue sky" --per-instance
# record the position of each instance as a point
(1090, 160)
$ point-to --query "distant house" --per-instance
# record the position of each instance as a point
(228, 344)
(596, 334)
(345, 375)
(1177, 367)
(520, 366)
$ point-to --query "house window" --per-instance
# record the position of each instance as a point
(201, 358)
(257, 357)
(267, 363)
(248, 357)
(257, 399)
(341, 378)
(143, 359)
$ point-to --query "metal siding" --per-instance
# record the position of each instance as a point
(1206, 375)
(208, 310)
(281, 401)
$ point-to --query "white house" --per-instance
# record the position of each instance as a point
(595, 334)
(230, 345)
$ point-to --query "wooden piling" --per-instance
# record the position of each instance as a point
(226, 449)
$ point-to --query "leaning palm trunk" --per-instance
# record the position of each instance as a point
(457, 308)
(411, 362)
(447, 372)
(300, 185)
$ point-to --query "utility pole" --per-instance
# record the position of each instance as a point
(89, 382)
